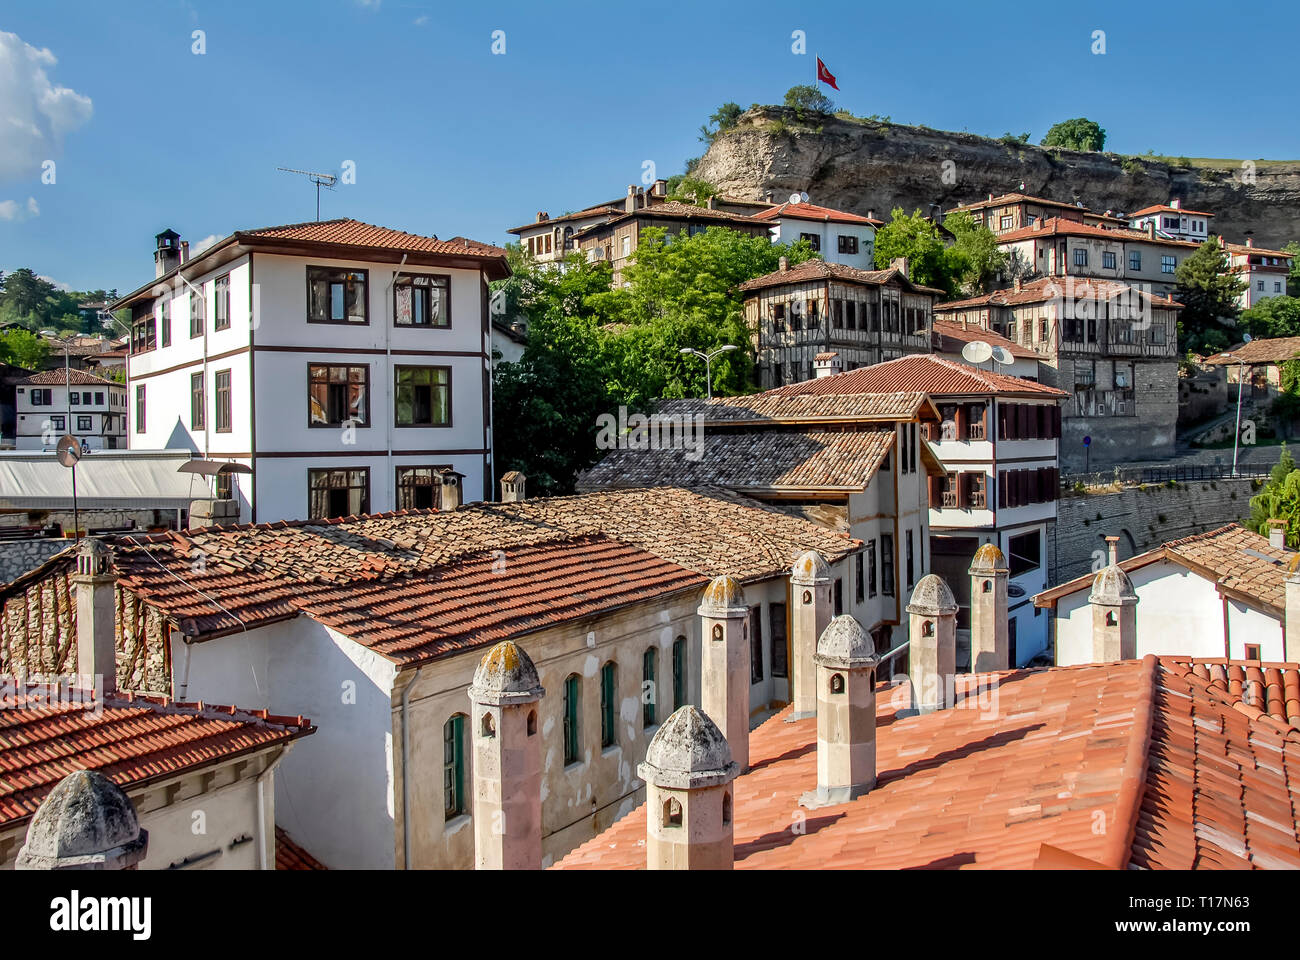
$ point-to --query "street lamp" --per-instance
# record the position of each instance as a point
(1241, 369)
(708, 361)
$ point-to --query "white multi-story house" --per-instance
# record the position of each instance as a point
(1174, 221)
(839, 236)
(344, 364)
(1265, 271)
(52, 403)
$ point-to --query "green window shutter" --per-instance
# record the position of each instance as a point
(453, 766)
(607, 705)
(679, 673)
(649, 687)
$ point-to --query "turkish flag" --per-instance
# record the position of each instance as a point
(824, 75)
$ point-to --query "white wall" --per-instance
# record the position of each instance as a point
(788, 230)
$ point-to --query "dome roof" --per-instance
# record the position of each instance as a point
(688, 751)
(86, 821)
(505, 674)
(846, 642)
(1112, 585)
(932, 598)
(810, 568)
(722, 597)
(988, 559)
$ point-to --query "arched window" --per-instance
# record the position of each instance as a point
(988, 585)
(726, 806)
(672, 813)
(649, 686)
(453, 767)
(608, 698)
(679, 673)
(927, 628)
(572, 716)
(717, 631)
(532, 723)
(837, 683)
(489, 728)
(1110, 618)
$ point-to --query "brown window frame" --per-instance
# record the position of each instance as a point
(408, 281)
(165, 323)
(397, 423)
(365, 501)
(141, 403)
(330, 280)
(221, 303)
(334, 424)
(435, 483)
(198, 402)
(198, 315)
(86, 419)
(223, 405)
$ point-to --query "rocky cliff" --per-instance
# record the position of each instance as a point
(861, 165)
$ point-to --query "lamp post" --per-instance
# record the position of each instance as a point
(708, 361)
(1241, 369)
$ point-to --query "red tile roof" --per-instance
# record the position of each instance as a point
(1273, 688)
(1268, 350)
(1072, 228)
(950, 336)
(816, 269)
(1179, 776)
(59, 378)
(132, 740)
(290, 856)
(1008, 198)
(674, 210)
(1165, 208)
(1050, 288)
(1241, 249)
(598, 211)
(920, 372)
(354, 233)
(777, 406)
(811, 211)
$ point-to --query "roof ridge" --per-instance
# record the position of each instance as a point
(1137, 758)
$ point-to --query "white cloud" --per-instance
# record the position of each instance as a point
(209, 240)
(15, 211)
(421, 20)
(35, 114)
(58, 284)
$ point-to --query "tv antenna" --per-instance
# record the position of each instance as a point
(325, 180)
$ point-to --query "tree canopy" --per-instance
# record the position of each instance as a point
(1279, 499)
(37, 304)
(805, 96)
(1077, 134)
(22, 348)
(722, 119)
(1272, 317)
(1208, 292)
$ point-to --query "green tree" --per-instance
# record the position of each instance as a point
(928, 260)
(1293, 278)
(1077, 134)
(723, 119)
(1279, 499)
(1272, 317)
(974, 259)
(690, 189)
(22, 348)
(1208, 292)
(805, 97)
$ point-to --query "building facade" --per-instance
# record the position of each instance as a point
(1265, 271)
(838, 236)
(52, 403)
(345, 364)
(1014, 211)
(1173, 221)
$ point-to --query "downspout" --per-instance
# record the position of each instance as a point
(390, 412)
(406, 780)
(261, 808)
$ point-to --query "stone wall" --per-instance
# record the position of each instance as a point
(90, 519)
(19, 556)
(1143, 518)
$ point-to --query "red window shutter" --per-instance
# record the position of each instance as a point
(1002, 488)
(1022, 431)
(959, 422)
(936, 492)
(961, 491)
(1022, 488)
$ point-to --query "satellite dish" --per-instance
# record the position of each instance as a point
(1003, 356)
(977, 351)
(803, 196)
(795, 197)
(68, 450)
(1246, 338)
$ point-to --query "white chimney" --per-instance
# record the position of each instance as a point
(846, 714)
(932, 645)
(990, 646)
(1277, 533)
(1176, 203)
(629, 204)
(810, 614)
(451, 489)
(512, 486)
(96, 593)
(783, 264)
(724, 663)
(1114, 612)
(827, 364)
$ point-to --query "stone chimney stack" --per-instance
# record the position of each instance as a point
(1151, 228)
(932, 650)
(629, 204)
(95, 586)
(1018, 284)
(846, 714)
(1176, 203)
(1277, 533)
(452, 489)
(1291, 622)
(167, 252)
(712, 203)
(871, 214)
(1112, 549)
(783, 264)
(688, 771)
(899, 264)
(1250, 241)
(724, 657)
(507, 760)
(810, 615)
(87, 822)
(1114, 613)
(827, 364)
(660, 188)
(990, 647)
(512, 486)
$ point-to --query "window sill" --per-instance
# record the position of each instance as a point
(456, 822)
(612, 748)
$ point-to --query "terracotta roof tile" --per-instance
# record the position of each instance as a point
(1050, 288)
(131, 740)
(811, 211)
(790, 404)
(1057, 226)
(290, 856)
(917, 373)
(816, 269)
(349, 232)
(950, 336)
(1165, 208)
(1268, 350)
(60, 377)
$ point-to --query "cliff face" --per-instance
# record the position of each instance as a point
(860, 165)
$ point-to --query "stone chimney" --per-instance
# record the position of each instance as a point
(660, 188)
(846, 714)
(990, 647)
(87, 822)
(1176, 203)
(783, 264)
(932, 650)
(1017, 284)
(1291, 622)
(452, 489)
(185, 251)
(1114, 612)
(1250, 241)
(724, 659)
(990, 196)
(95, 586)
(1151, 228)
(167, 252)
(767, 196)
(507, 761)
(810, 614)
(712, 203)
(1277, 533)
(542, 216)
(1112, 549)
(688, 771)
(512, 486)
(827, 364)
(629, 204)
(899, 264)
(871, 214)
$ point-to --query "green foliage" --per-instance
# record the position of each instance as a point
(1293, 278)
(914, 237)
(974, 260)
(691, 189)
(38, 304)
(1208, 292)
(1279, 499)
(22, 348)
(1014, 139)
(805, 97)
(722, 119)
(1272, 317)
(1132, 165)
(1077, 134)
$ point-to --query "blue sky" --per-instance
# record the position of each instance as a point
(449, 138)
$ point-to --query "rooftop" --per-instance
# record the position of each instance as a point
(1182, 776)
(132, 740)
(1166, 208)
(1050, 288)
(61, 377)
(1057, 226)
(674, 210)
(776, 406)
(816, 269)
(919, 373)
(1270, 350)
(949, 336)
(811, 211)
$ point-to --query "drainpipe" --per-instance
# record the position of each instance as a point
(406, 780)
(261, 809)
(390, 412)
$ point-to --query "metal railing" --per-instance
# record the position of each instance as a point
(1178, 473)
